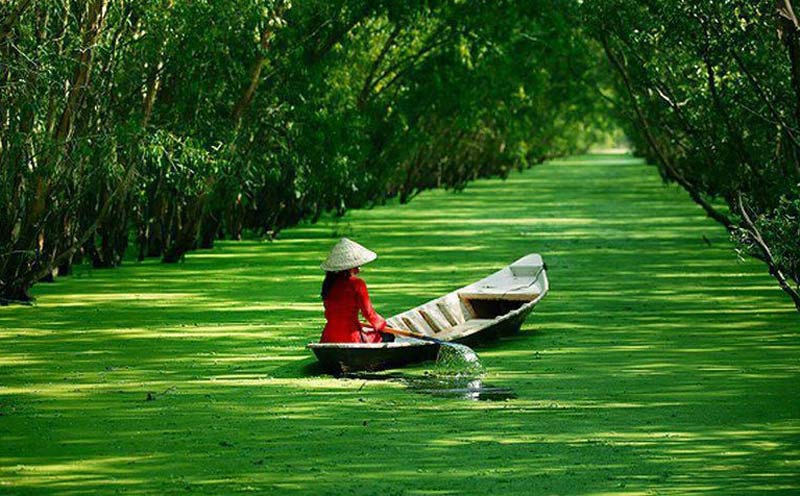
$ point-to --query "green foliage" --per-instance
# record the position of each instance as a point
(781, 231)
(189, 121)
(709, 92)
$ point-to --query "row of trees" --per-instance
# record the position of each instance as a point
(710, 91)
(167, 124)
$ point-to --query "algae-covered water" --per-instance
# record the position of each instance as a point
(658, 363)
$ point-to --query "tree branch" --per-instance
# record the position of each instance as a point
(774, 270)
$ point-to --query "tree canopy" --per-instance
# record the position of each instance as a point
(182, 122)
(711, 93)
(167, 124)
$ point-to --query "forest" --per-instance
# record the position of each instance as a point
(152, 128)
(399, 247)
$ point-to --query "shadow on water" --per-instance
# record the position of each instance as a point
(466, 388)
(458, 386)
(658, 363)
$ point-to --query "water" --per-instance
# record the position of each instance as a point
(457, 359)
(457, 374)
(467, 388)
(447, 386)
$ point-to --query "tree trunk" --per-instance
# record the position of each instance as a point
(789, 29)
(16, 294)
(767, 257)
(255, 72)
(187, 232)
(208, 230)
(95, 18)
(65, 267)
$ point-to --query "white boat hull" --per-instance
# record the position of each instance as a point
(492, 307)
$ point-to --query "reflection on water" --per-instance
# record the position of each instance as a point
(460, 387)
(443, 386)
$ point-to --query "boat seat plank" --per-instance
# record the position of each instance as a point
(452, 309)
(430, 321)
(434, 318)
(415, 323)
(394, 322)
(502, 286)
(466, 328)
(451, 320)
(528, 266)
(494, 294)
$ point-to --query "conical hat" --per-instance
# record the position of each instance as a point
(347, 254)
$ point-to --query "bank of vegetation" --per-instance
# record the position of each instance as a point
(710, 91)
(155, 127)
(168, 124)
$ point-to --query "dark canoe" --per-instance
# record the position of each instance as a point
(492, 307)
(353, 357)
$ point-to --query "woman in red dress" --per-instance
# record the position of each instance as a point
(345, 295)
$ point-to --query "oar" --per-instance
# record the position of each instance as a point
(465, 353)
(408, 334)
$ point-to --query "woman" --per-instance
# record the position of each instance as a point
(344, 295)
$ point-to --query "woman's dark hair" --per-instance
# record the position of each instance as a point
(330, 278)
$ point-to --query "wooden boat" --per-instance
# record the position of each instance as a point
(494, 306)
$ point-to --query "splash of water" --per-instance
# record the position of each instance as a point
(458, 360)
